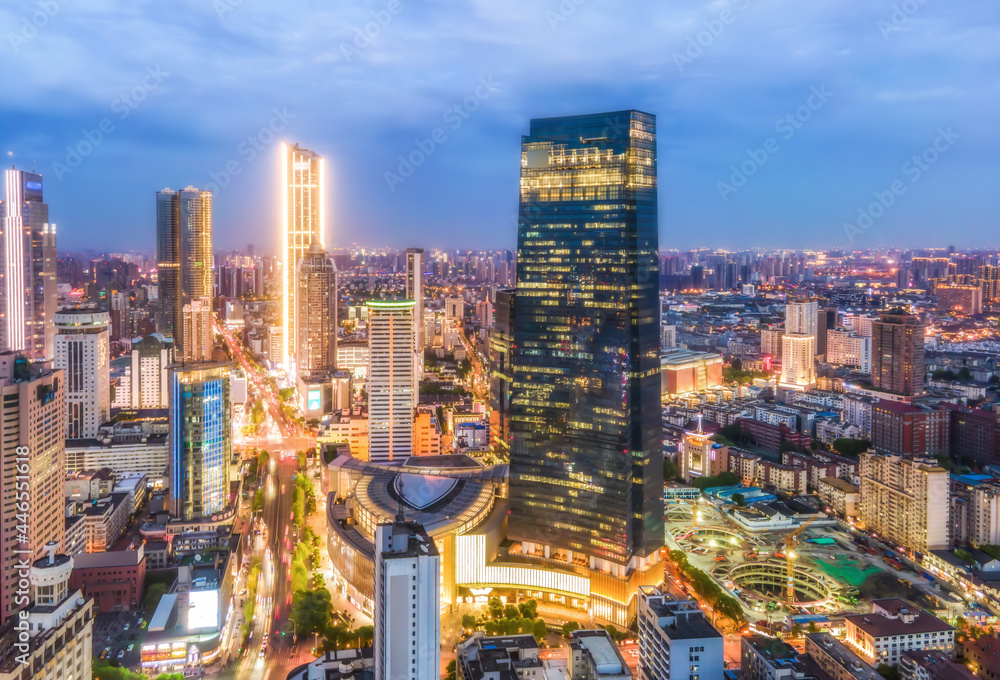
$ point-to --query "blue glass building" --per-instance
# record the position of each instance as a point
(586, 464)
(201, 416)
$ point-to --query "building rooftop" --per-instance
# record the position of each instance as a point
(896, 617)
(937, 664)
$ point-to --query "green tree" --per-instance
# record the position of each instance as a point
(451, 670)
(569, 627)
(258, 500)
(796, 631)
(312, 610)
(169, 676)
(852, 448)
(739, 499)
(964, 374)
(528, 609)
(153, 595)
(889, 672)
(510, 612)
(539, 629)
(669, 470)
(812, 627)
(469, 621)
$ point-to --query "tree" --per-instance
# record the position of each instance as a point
(796, 631)
(495, 607)
(964, 374)
(528, 609)
(258, 500)
(539, 629)
(888, 672)
(452, 670)
(169, 676)
(312, 610)
(105, 671)
(852, 448)
(812, 627)
(469, 621)
(669, 470)
(153, 595)
(739, 499)
(569, 627)
(510, 612)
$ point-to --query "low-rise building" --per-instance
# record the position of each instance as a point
(491, 658)
(105, 521)
(593, 655)
(932, 664)
(894, 627)
(340, 664)
(115, 580)
(767, 658)
(836, 659)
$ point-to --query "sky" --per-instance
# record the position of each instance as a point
(780, 123)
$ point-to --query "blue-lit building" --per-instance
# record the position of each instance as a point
(201, 444)
(586, 462)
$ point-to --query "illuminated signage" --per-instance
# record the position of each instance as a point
(203, 610)
(315, 400)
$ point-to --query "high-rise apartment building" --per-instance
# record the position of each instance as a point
(407, 603)
(196, 319)
(302, 224)
(770, 341)
(898, 353)
(966, 299)
(586, 472)
(415, 292)
(150, 359)
(847, 348)
(32, 467)
(904, 500)
(316, 313)
(677, 641)
(83, 352)
(201, 416)
(989, 276)
(798, 345)
(501, 374)
(392, 379)
(184, 259)
(910, 430)
(27, 268)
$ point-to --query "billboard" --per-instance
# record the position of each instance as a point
(203, 610)
(314, 400)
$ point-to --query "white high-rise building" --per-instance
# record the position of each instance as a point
(678, 643)
(148, 371)
(392, 379)
(415, 291)
(302, 224)
(798, 345)
(847, 348)
(83, 351)
(407, 603)
(27, 268)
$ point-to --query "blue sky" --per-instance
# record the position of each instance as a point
(187, 88)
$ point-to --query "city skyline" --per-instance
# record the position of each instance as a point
(849, 94)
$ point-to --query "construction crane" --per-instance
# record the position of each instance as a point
(786, 545)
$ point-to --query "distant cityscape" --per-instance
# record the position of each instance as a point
(589, 458)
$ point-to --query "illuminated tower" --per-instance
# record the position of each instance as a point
(302, 224)
(586, 459)
(184, 258)
(415, 292)
(83, 352)
(27, 268)
(798, 345)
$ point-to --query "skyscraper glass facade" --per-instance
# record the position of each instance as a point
(586, 471)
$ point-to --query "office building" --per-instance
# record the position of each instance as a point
(407, 602)
(767, 658)
(894, 627)
(415, 292)
(586, 463)
(501, 375)
(898, 353)
(115, 579)
(392, 380)
(698, 455)
(55, 637)
(184, 257)
(33, 467)
(904, 501)
(826, 320)
(196, 318)
(316, 315)
(201, 416)
(302, 224)
(83, 352)
(427, 432)
(798, 345)
(677, 641)
(148, 371)
(27, 268)
(847, 348)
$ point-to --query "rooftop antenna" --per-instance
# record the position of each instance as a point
(699, 424)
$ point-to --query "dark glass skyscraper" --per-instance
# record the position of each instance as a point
(586, 471)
